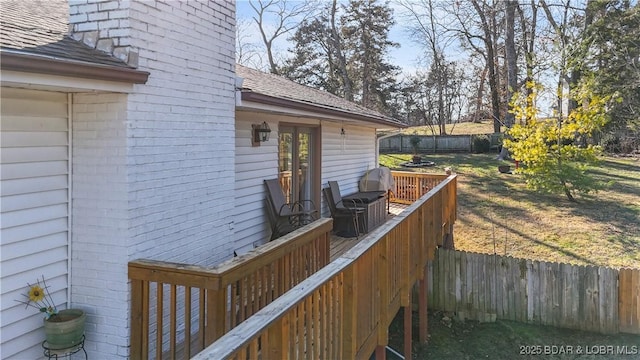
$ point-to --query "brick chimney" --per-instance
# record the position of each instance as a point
(104, 25)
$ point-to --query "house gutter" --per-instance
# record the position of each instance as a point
(69, 196)
(392, 133)
(65, 67)
(292, 104)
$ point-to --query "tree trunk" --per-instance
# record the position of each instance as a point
(342, 63)
(512, 70)
(480, 95)
(491, 65)
(528, 37)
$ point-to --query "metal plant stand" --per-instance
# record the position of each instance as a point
(67, 352)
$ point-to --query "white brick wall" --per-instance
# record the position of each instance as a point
(155, 167)
(99, 218)
(181, 132)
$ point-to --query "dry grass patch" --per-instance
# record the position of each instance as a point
(497, 214)
(466, 128)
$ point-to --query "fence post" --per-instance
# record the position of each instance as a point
(629, 301)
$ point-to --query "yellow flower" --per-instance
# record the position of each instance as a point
(36, 293)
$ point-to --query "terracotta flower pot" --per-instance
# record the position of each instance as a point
(65, 329)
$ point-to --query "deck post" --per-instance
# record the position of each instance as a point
(219, 313)
(423, 331)
(216, 321)
(137, 329)
(381, 352)
(407, 330)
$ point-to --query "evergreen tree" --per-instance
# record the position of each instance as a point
(609, 59)
(366, 33)
(344, 51)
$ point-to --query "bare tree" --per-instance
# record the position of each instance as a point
(512, 67)
(529, 25)
(276, 18)
(247, 52)
(427, 31)
(561, 21)
(478, 29)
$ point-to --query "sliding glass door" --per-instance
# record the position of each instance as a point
(298, 159)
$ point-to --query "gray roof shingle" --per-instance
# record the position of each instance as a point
(39, 27)
(279, 87)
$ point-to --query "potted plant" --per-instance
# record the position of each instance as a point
(415, 141)
(63, 329)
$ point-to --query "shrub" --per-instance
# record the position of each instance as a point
(481, 144)
(620, 142)
(415, 143)
(553, 161)
(610, 143)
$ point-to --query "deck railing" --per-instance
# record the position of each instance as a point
(410, 186)
(344, 310)
(195, 305)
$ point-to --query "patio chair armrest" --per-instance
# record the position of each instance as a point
(297, 209)
(301, 202)
(289, 208)
(353, 210)
(351, 203)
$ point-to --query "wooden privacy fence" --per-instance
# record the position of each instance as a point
(401, 143)
(171, 302)
(485, 287)
(344, 310)
(410, 186)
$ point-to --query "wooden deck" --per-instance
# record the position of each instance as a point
(337, 309)
(339, 245)
(343, 311)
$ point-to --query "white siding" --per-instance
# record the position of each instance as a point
(34, 192)
(346, 158)
(253, 165)
(344, 161)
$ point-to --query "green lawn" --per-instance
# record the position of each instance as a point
(505, 340)
(496, 213)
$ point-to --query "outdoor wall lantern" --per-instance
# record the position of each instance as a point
(260, 133)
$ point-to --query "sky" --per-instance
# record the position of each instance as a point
(405, 56)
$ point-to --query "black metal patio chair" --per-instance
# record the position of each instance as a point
(346, 213)
(285, 217)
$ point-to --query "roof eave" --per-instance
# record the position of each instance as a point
(64, 67)
(247, 95)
